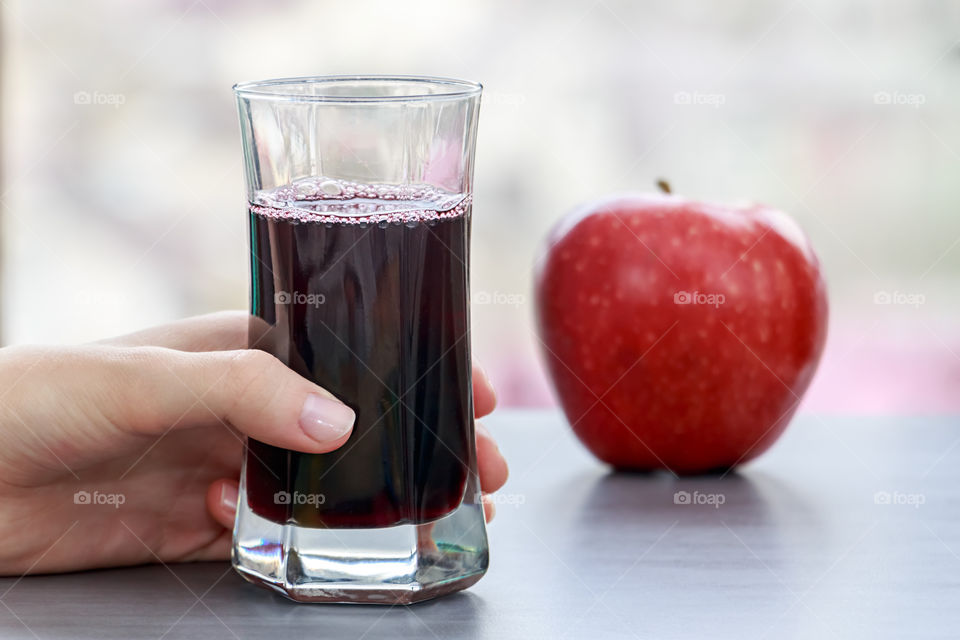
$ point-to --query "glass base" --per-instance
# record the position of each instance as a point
(393, 565)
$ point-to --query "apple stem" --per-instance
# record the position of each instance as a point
(664, 186)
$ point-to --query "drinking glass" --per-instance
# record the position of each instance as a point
(359, 194)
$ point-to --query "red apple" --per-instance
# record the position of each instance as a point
(679, 334)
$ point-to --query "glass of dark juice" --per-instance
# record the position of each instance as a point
(359, 193)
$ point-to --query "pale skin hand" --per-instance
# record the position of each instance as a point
(158, 417)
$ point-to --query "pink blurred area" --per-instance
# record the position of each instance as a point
(866, 369)
(887, 373)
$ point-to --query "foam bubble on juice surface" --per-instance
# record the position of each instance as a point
(328, 200)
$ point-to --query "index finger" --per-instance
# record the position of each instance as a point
(229, 331)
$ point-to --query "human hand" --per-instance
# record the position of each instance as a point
(151, 426)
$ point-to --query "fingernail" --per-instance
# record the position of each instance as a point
(486, 381)
(229, 496)
(326, 419)
(489, 508)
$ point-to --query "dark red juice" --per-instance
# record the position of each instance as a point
(364, 290)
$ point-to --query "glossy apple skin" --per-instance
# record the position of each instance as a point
(649, 383)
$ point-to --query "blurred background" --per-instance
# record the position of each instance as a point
(122, 201)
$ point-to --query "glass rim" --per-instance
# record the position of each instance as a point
(279, 89)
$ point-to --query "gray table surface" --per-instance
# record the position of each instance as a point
(847, 528)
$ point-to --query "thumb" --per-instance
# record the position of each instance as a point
(157, 389)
